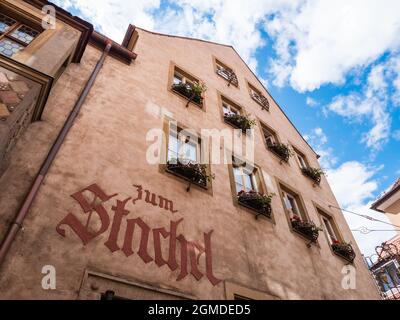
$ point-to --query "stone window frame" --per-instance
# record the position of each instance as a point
(262, 125)
(223, 98)
(217, 62)
(299, 153)
(172, 68)
(233, 291)
(164, 154)
(284, 187)
(321, 212)
(260, 181)
(251, 88)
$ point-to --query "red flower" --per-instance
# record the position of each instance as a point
(295, 218)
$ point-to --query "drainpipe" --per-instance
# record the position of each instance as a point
(33, 191)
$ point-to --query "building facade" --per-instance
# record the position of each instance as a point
(386, 268)
(105, 205)
(389, 203)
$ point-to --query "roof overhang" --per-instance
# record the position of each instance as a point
(387, 200)
(83, 26)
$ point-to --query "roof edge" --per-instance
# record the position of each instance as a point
(383, 198)
(85, 27)
(262, 85)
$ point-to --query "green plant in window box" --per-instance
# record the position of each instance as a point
(192, 171)
(257, 201)
(239, 121)
(306, 228)
(282, 150)
(193, 92)
(345, 250)
(313, 173)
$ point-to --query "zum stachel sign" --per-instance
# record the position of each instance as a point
(190, 252)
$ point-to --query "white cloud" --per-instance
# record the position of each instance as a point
(396, 135)
(318, 140)
(311, 102)
(316, 41)
(319, 41)
(351, 182)
(372, 103)
(112, 17)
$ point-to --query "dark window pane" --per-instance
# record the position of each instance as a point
(25, 34)
(9, 48)
(5, 23)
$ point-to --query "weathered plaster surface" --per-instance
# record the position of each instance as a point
(107, 145)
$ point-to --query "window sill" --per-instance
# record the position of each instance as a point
(199, 105)
(182, 177)
(281, 159)
(254, 211)
(315, 182)
(236, 127)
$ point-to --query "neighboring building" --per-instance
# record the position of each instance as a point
(114, 224)
(389, 204)
(386, 269)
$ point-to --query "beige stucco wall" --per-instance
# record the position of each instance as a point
(107, 146)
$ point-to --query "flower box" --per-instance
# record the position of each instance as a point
(188, 91)
(313, 173)
(260, 99)
(281, 150)
(308, 229)
(239, 121)
(256, 201)
(344, 250)
(193, 172)
(228, 75)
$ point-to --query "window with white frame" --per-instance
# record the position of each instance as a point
(229, 108)
(246, 178)
(180, 77)
(330, 228)
(301, 159)
(183, 145)
(293, 205)
(269, 136)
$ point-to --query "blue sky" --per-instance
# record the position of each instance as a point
(329, 65)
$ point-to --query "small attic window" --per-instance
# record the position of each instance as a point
(227, 73)
(258, 97)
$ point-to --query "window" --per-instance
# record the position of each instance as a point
(293, 205)
(270, 137)
(180, 77)
(14, 36)
(229, 108)
(301, 159)
(258, 97)
(182, 146)
(246, 178)
(187, 86)
(226, 73)
(330, 227)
